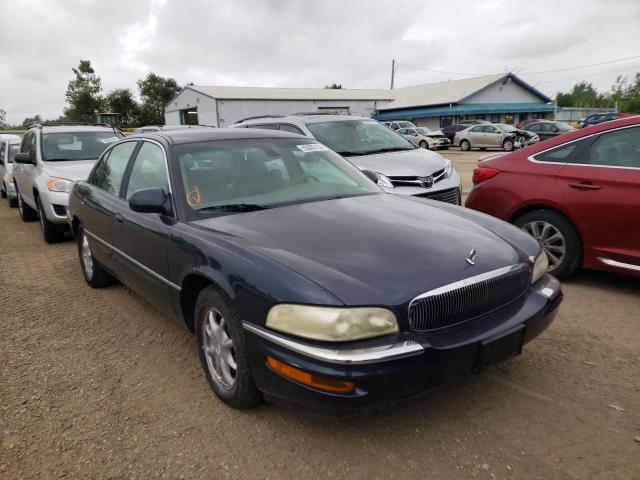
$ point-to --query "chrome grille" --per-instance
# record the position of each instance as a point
(451, 195)
(462, 301)
(414, 181)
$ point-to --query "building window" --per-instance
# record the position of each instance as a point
(524, 116)
(538, 115)
(189, 116)
(446, 121)
(481, 116)
(495, 118)
(508, 118)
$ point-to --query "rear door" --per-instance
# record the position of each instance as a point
(602, 190)
(492, 136)
(24, 172)
(141, 239)
(476, 136)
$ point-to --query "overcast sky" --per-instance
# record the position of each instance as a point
(303, 43)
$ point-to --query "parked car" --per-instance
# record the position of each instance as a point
(9, 146)
(596, 118)
(523, 123)
(577, 194)
(301, 278)
(472, 122)
(160, 128)
(497, 135)
(401, 167)
(397, 125)
(545, 129)
(51, 158)
(451, 130)
(425, 138)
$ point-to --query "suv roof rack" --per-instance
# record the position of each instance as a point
(72, 124)
(322, 113)
(259, 116)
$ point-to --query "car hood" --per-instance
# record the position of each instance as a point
(73, 170)
(375, 249)
(405, 163)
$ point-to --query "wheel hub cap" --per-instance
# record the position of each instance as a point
(87, 258)
(550, 238)
(219, 349)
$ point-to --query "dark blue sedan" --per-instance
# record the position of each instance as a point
(302, 280)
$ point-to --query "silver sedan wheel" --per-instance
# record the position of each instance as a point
(218, 349)
(550, 238)
(87, 257)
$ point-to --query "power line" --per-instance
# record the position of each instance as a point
(582, 66)
(589, 76)
(438, 71)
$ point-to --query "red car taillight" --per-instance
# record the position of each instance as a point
(480, 174)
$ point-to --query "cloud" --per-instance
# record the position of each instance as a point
(303, 43)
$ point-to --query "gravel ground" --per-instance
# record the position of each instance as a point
(97, 384)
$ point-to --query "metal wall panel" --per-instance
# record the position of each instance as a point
(188, 99)
(510, 92)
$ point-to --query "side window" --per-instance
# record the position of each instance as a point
(110, 170)
(29, 144)
(290, 128)
(535, 127)
(265, 126)
(619, 148)
(563, 154)
(477, 129)
(2, 149)
(490, 129)
(149, 170)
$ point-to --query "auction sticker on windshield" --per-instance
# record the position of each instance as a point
(313, 147)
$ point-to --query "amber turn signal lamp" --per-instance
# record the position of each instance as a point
(306, 378)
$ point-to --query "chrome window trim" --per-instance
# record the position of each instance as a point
(108, 151)
(471, 281)
(360, 356)
(532, 158)
(615, 263)
(135, 262)
(166, 169)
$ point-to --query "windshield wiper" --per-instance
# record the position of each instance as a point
(346, 153)
(235, 207)
(387, 149)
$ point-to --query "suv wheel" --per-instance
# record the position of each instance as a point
(558, 237)
(94, 273)
(51, 232)
(465, 146)
(223, 350)
(27, 214)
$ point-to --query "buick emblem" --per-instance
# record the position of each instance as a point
(426, 182)
(472, 256)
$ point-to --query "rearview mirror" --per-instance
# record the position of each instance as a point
(23, 158)
(371, 175)
(150, 200)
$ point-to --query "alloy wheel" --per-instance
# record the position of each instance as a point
(87, 257)
(552, 241)
(219, 350)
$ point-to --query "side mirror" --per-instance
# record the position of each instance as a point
(371, 175)
(23, 158)
(150, 200)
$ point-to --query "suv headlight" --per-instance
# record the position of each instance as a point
(55, 184)
(540, 266)
(331, 324)
(383, 181)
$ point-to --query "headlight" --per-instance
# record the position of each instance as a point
(448, 169)
(331, 324)
(540, 266)
(384, 181)
(55, 184)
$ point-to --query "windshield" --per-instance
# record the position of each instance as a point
(13, 149)
(252, 174)
(423, 130)
(405, 124)
(358, 137)
(506, 128)
(63, 146)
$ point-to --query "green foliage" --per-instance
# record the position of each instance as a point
(623, 94)
(83, 94)
(156, 92)
(27, 122)
(122, 102)
(3, 118)
(334, 86)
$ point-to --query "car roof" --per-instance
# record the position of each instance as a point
(304, 119)
(177, 137)
(73, 128)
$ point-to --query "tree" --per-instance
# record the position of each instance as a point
(83, 94)
(156, 93)
(334, 86)
(27, 122)
(582, 94)
(3, 118)
(121, 101)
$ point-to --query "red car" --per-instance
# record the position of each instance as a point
(577, 194)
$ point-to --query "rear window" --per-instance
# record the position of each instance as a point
(66, 146)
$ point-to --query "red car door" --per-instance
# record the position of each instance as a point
(601, 188)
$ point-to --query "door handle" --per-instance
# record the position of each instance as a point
(119, 218)
(585, 186)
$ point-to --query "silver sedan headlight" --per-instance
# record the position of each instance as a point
(384, 181)
(540, 266)
(448, 169)
(332, 324)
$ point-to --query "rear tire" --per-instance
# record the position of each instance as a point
(94, 273)
(424, 144)
(51, 232)
(13, 202)
(465, 146)
(223, 350)
(3, 190)
(558, 237)
(27, 214)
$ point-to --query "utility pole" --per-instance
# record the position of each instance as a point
(393, 71)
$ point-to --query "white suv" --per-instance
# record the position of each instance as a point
(52, 157)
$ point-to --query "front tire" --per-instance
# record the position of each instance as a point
(223, 349)
(507, 145)
(424, 144)
(558, 237)
(3, 190)
(50, 231)
(27, 214)
(94, 273)
(465, 146)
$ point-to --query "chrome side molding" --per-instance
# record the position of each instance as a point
(615, 263)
